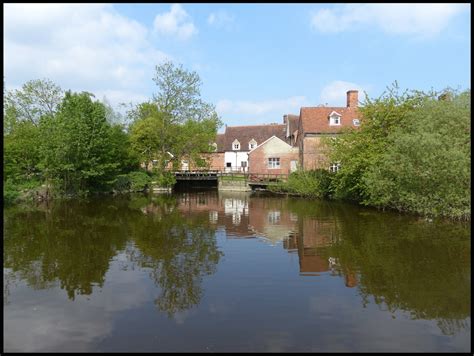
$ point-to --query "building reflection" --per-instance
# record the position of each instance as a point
(227, 210)
(270, 220)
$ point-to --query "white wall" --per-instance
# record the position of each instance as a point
(235, 157)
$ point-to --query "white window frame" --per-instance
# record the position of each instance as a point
(333, 122)
(273, 163)
(334, 167)
(356, 122)
(234, 144)
(274, 217)
(252, 144)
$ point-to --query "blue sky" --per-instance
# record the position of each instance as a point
(257, 61)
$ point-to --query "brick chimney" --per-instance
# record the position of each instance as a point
(352, 98)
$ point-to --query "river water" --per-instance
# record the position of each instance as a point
(211, 271)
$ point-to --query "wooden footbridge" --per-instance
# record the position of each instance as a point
(252, 179)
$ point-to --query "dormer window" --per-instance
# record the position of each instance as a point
(252, 144)
(334, 119)
(236, 145)
(356, 122)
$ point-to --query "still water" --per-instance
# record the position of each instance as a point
(211, 271)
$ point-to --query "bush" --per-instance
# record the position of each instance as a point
(122, 183)
(164, 179)
(426, 169)
(139, 181)
(313, 184)
(10, 193)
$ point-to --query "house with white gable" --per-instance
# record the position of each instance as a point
(273, 156)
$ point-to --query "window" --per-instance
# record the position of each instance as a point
(213, 216)
(334, 167)
(236, 145)
(273, 217)
(243, 164)
(274, 163)
(335, 120)
(356, 122)
(252, 144)
(228, 164)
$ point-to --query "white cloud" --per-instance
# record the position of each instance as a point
(176, 22)
(220, 19)
(335, 93)
(420, 20)
(259, 108)
(80, 47)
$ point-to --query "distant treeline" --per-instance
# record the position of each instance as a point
(60, 143)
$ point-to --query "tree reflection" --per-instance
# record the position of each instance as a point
(69, 242)
(400, 262)
(179, 250)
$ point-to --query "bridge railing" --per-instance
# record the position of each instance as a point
(232, 175)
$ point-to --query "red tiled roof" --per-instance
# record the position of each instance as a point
(316, 119)
(244, 134)
(220, 140)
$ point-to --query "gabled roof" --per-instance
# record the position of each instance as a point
(268, 140)
(220, 140)
(316, 119)
(244, 134)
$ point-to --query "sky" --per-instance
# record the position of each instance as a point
(257, 62)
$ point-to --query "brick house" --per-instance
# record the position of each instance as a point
(238, 141)
(318, 122)
(273, 156)
(299, 133)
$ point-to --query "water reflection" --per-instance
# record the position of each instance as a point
(397, 263)
(179, 250)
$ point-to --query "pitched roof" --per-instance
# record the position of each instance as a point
(220, 139)
(316, 119)
(268, 140)
(244, 134)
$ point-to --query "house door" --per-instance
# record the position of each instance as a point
(293, 165)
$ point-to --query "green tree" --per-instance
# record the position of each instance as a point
(188, 124)
(78, 150)
(146, 134)
(427, 166)
(411, 153)
(358, 150)
(36, 98)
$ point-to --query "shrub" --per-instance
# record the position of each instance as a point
(122, 183)
(139, 181)
(10, 192)
(164, 179)
(314, 184)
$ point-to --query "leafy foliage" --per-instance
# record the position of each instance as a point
(312, 184)
(426, 169)
(35, 99)
(139, 181)
(412, 153)
(178, 124)
(79, 145)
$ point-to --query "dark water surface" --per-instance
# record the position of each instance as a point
(209, 271)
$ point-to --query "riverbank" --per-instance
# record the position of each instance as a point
(321, 184)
